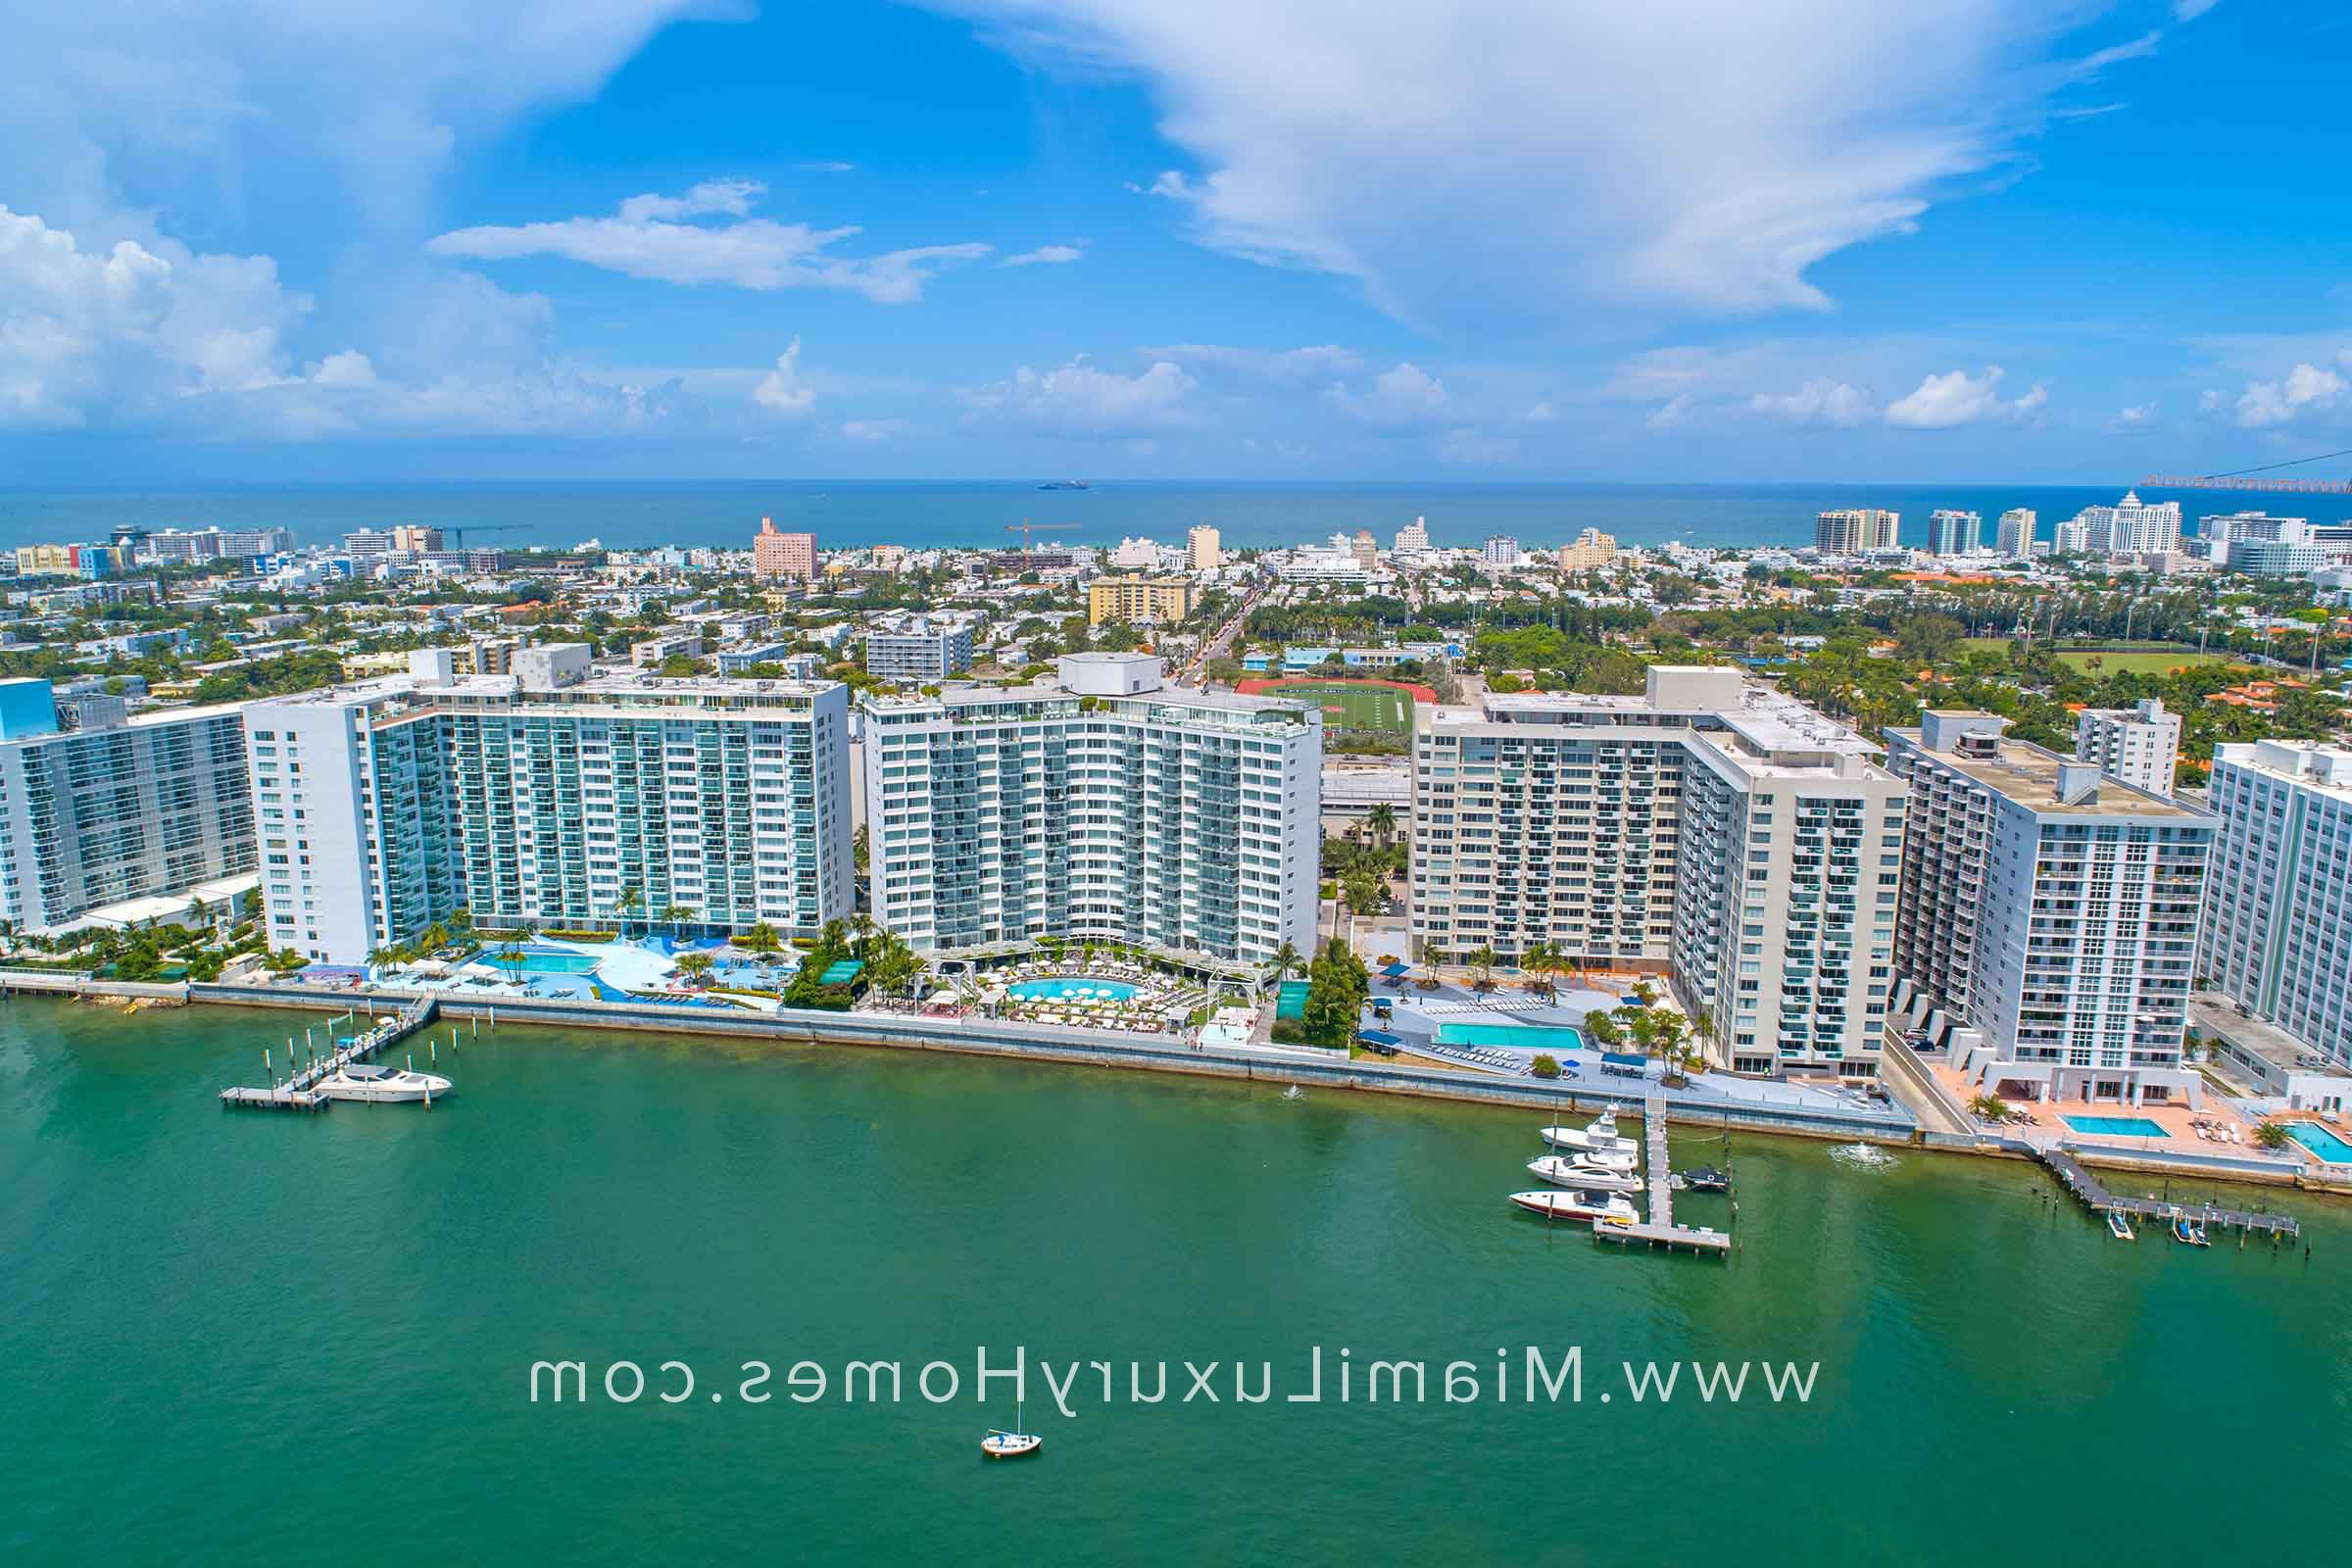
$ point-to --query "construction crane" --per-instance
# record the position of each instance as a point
(2252, 479)
(456, 534)
(1025, 528)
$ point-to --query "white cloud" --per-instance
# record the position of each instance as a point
(2306, 389)
(873, 429)
(733, 197)
(1546, 122)
(1404, 395)
(350, 368)
(2099, 59)
(2135, 417)
(1956, 398)
(645, 238)
(2191, 10)
(1821, 400)
(1271, 365)
(781, 391)
(118, 107)
(1675, 411)
(1046, 254)
(827, 166)
(82, 332)
(1080, 399)
(1541, 414)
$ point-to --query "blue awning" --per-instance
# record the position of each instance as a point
(1396, 970)
(1377, 1037)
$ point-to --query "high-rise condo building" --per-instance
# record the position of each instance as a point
(923, 652)
(1855, 532)
(2014, 538)
(2048, 924)
(1133, 599)
(97, 807)
(1711, 828)
(1414, 535)
(2139, 745)
(783, 555)
(549, 796)
(2278, 934)
(1954, 533)
(1103, 806)
(1502, 551)
(1592, 551)
(1200, 548)
(2130, 527)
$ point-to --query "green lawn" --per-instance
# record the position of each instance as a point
(2152, 661)
(1373, 708)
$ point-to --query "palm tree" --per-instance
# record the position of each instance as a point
(1381, 823)
(1287, 961)
(674, 917)
(630, 900)
(1482, 959)
(1603, 1029)
(1542, 960)
(694, 967)
(760, 938)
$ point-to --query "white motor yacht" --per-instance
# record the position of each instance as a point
(1614, 1207)
(1600, 1135)
(1562, 1171)
(374, 1081)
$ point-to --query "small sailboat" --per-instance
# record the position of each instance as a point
(1613, 1207)
(998, 1444)
(2120, 1226)
(1562, 1171)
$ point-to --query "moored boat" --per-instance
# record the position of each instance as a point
(1578, 1204)
(2120, 1226)
(1598, 1136)
(1562, 1171)
(380, 1084)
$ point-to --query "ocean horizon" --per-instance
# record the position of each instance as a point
(970, 514)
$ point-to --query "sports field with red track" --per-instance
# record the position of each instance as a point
(1373, 705)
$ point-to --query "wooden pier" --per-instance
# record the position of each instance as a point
(2094, 1196)
(1659, 1228)
(300, 1091)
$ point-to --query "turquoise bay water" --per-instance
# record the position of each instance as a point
(220, 1332)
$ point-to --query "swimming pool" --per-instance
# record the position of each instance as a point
(1066, 987)
(2116, 1126)
(2321, 1141)
(1516, 1036)
(548, 962)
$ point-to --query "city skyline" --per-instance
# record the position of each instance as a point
(668, 245)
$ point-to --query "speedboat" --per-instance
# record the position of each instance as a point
(1622, 1160)
(1611, 1207)
(374, 1081)
(1562, 1171)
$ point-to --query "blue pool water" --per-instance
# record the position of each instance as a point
(2116, 1126)
(1517, 1036)
(1062, 986)
(2322, 1141)
(530, 962)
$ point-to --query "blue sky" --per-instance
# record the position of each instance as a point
(1696, 239)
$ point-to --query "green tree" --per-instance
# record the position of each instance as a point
(1338, 986)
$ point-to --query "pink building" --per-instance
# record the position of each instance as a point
(783, 555)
